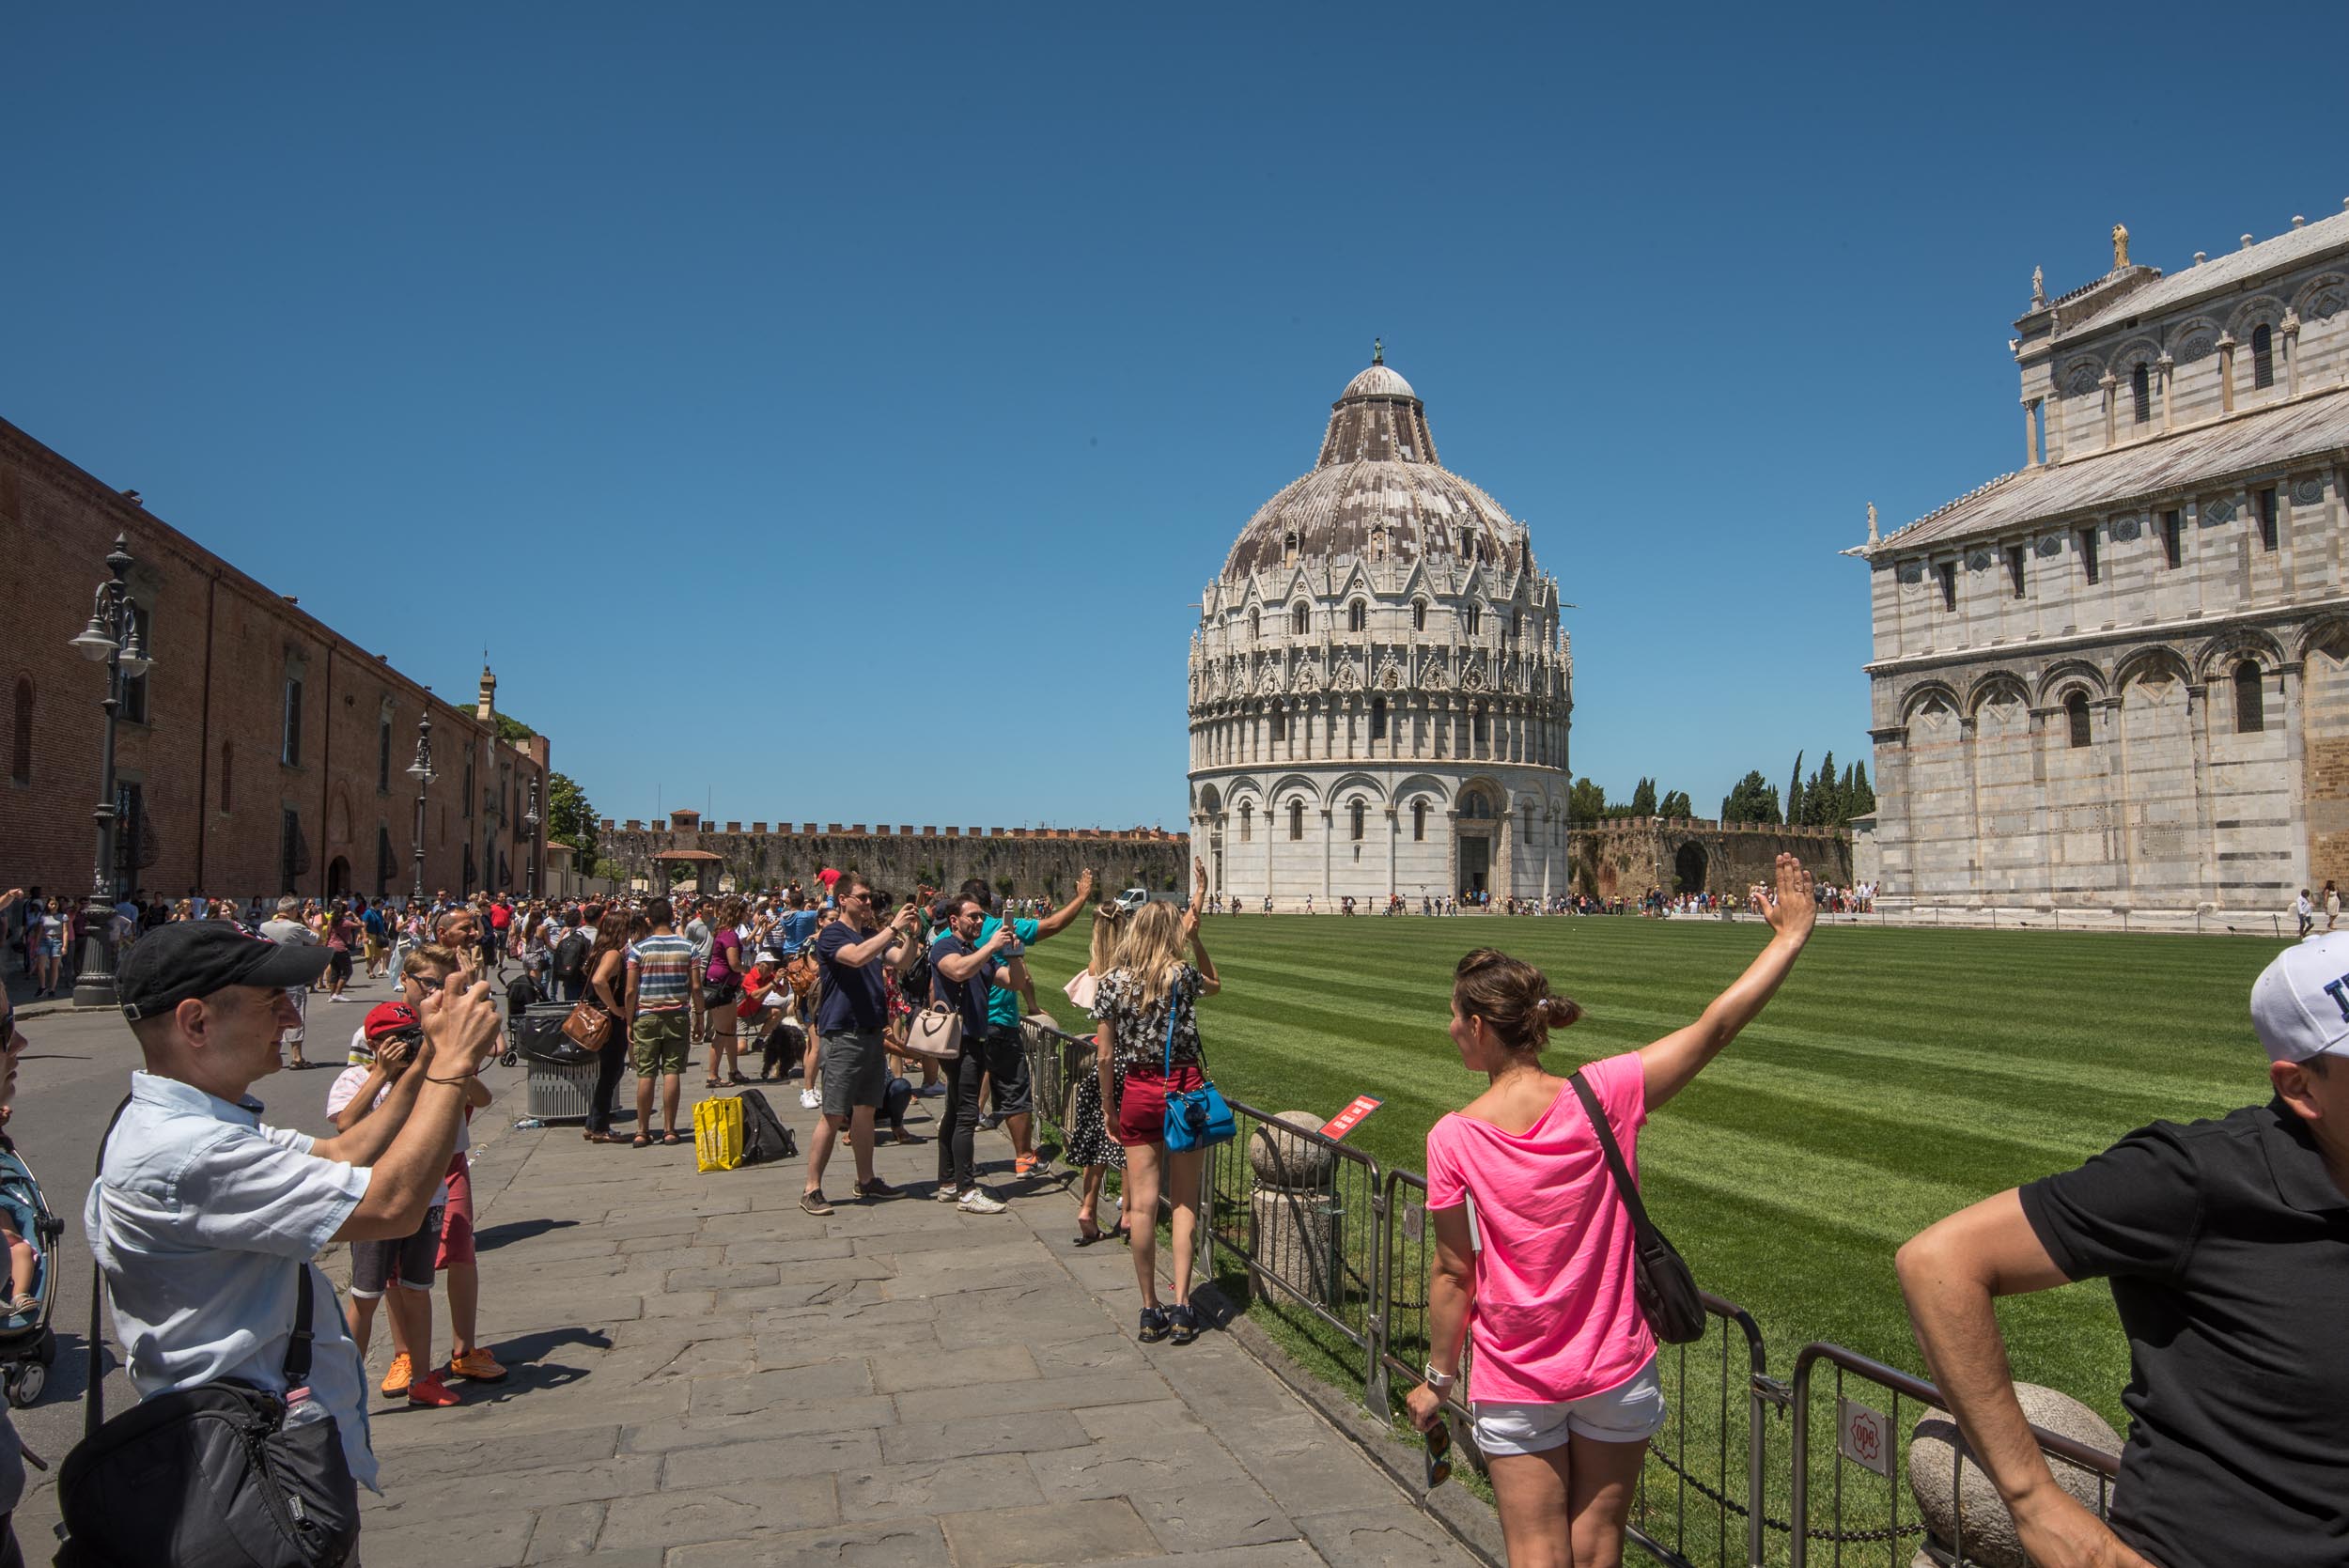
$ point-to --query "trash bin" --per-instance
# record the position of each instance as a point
(559, 1093)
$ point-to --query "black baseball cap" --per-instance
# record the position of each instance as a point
(196, 957)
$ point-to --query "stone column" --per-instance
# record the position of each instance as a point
(2031, 432)
(2293, 679)
(2226, 373)
(2290, 335)
(2054, 407)
(1329, 847)
(2108, 381)
(1394, 826)
(2197, 720)
(2168, 369)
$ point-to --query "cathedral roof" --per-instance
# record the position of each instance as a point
(1379, 476)
(2264, 439)
(2224, 275)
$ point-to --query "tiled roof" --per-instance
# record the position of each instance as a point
(2289, 249)
(2266, 438)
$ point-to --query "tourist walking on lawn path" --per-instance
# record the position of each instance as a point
(1564, 1387)
(1151, 997)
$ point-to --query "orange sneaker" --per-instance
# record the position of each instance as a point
(430, 1393)
(477, 1365)
(396, 1381)
(1022, 1164)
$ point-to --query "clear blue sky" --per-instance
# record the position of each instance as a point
(711, 360)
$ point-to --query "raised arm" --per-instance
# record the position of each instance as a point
(460, 1032)
(1950, 1275)
(1672, 1062)
(1209, 981)
(1060, 918)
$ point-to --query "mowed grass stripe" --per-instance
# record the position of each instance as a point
(1900, 1074)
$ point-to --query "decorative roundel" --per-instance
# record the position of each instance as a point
(2307, 492)
(1978, 561)
(1912, 572)
(2051, 545)
(2218, 511)
(2125, 529)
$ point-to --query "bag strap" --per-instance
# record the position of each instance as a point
(1624, 1185)
(93, 1397)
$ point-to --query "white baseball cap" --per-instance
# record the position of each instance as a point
(2300, 1002)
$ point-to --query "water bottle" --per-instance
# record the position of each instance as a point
(301, 1410)
(528, 1124)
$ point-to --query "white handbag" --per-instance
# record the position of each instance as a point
(935, 1033)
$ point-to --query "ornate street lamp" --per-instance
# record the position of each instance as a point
(421, 770)
(113, 638)
(530, 852)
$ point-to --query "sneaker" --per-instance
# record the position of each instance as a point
(944, 1192)
(810, 1100)
(813, 1202)
(396, 1380)
(931, 1090)
(1154, 1324)
(876, 1190)
(977, 1200)
(1186, 1322)
(430, 1393)
(1023, 1165)
(478, 1366)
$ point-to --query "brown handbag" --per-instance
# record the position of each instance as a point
(587, 1025)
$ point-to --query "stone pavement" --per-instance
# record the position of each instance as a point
(706, 1376)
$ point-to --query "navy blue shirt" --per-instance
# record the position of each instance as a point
(854, 1000)
(967, 997)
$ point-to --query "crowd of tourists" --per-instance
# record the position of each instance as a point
(2226, 1241)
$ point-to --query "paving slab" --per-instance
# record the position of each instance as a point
(705, 1377)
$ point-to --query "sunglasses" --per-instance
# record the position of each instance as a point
(1438, 1454)
(423, 983)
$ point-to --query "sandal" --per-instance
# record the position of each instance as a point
(709, 1083)
(640, 1142)
(1095, 1233)
(670, 1140)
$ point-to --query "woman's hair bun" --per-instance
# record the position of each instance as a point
(1558, 1012)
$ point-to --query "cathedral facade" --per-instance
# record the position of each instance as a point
(2118, 677)
(1379, 688)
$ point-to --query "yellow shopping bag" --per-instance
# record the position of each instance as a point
(718, 1134)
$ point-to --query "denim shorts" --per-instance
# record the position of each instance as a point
(1631, 1412)
(375, 1264)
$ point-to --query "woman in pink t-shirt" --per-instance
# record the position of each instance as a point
(1564, 1384)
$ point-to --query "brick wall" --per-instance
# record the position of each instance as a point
(208, 760)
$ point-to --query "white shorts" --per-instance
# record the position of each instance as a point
(1631, 1412)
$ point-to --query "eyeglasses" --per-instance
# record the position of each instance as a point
(1438, 1454)
(424, 984)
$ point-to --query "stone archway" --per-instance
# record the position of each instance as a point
(339, 878)
(1475, 825)
(1688, 868)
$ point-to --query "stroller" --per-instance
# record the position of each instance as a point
(28, 1347)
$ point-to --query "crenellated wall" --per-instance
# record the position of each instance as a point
(1626, 856)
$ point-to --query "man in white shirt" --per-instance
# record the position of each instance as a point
(202, 1214)
(286, 930)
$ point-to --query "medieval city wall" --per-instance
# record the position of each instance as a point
(1626, 856)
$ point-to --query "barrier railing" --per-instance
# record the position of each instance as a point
(1323, 1231)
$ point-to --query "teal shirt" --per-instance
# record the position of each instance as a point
(1002, 1007)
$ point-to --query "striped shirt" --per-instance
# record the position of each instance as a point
(664, 972)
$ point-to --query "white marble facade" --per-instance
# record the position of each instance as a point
(2119, 676)
(1379, 687)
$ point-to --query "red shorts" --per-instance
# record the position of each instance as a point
(1141, 1104)
(456, 1218)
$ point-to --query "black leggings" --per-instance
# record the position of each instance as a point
(609, 1062)
(959, 1116)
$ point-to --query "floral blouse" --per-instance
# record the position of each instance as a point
(1138, 1036)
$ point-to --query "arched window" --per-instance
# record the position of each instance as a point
(1255, 625)
(1419, 615)
(2263, 355)
(1357, 616)
(1378, 718)
(2076, 709)
(1297, 820)
(20, 734)
(2251, 700)
(1357, 818)
(1478, 729)
(1300, 618)
(1280, 723)
(2141, 393)
(227, 776)
(1247, 821)
(1419, 821)
(1475, 619)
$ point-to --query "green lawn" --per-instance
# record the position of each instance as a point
(1900, 1075)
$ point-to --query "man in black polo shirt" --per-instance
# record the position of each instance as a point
(2227, 1246)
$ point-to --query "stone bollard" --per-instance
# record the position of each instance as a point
(1933, 1466)
(1294, 1223)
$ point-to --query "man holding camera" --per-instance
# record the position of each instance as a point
(1006, 1060)
(202, 1217)
(965, 974)
(851, 1021)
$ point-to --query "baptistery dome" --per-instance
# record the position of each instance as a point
(1380, 689)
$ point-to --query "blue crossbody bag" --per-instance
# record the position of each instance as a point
(1195, 1118)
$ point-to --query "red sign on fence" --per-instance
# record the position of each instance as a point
(1351, 1117)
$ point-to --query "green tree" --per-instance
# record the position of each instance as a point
(1643, 797)
(570, 817)
(509, 727)
(1750, 801)
(1822, 800)
(1586, 802)
(1676, 803)
(1794, 794)
(1860, 799)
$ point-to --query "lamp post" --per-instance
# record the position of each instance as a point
(530, 852)
(421, 770)
(110, 637)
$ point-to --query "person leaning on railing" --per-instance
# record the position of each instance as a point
(1564, 1389)
(2227, 1246)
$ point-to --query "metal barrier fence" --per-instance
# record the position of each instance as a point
(1323, 1231)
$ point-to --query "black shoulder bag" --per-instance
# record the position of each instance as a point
(208, 1477)
(1660, 1276)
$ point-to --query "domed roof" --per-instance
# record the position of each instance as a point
(1378, 475)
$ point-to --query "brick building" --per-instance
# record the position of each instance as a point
(264, 752)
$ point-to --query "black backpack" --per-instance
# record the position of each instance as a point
(764, 1136)
(571, 958)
